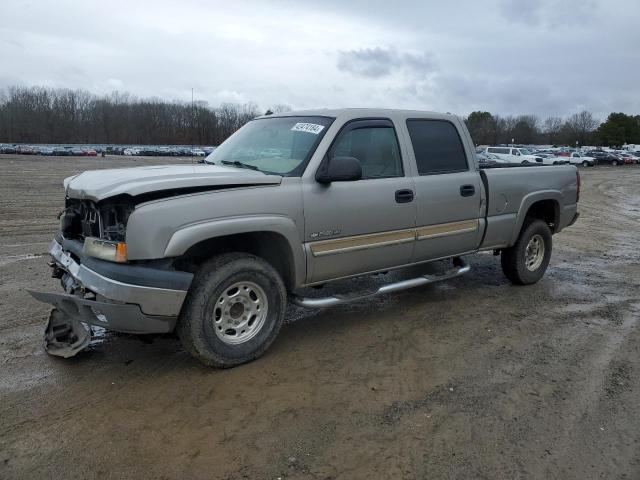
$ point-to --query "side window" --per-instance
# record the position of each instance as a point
(515, 152)
(376, 148)
(437, 147)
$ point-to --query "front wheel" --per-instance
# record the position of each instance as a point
(614, 163)
(585, 164)
(525, 262)
(234, 310)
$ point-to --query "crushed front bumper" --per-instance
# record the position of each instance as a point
(92, 298)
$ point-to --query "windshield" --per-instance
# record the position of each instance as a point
(280, 145)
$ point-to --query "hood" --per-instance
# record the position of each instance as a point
(97, 185)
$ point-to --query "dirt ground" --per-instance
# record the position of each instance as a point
(471, 378)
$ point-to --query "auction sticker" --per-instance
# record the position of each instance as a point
(308, 128)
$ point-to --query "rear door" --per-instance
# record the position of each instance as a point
(448, 191)
(359, 226)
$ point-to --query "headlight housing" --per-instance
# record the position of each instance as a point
(105, 249)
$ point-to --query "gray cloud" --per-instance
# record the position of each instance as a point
(505, 56)
(550, 13)
(379, 62)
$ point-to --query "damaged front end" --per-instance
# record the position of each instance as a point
(119, 295)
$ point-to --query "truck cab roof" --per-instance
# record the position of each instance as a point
(349, 113)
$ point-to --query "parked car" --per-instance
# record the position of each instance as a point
(139, 252)
(577, 158)
(487, 158)
(627, 158)
(514, 155)
(602, 157)
(44, 151)
(77, 151)
(550, 159)
(114, 150)
(61, 152)
(9, 149)
(90, 152)
(26, 150)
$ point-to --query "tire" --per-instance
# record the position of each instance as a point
(585, 164)
(516, 265)
(224, 328)
(614, 163)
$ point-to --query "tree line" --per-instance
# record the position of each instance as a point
(578, 129)
(51, 115)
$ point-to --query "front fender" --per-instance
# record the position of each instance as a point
(189, 235)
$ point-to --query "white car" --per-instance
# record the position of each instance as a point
(131, 151)
(577, 158)
(514, 155)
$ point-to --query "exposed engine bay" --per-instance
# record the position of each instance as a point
(106, 219)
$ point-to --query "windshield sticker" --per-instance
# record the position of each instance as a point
(308, 128)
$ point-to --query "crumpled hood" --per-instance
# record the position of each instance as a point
(97, 185)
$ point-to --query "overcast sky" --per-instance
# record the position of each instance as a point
(505, 56)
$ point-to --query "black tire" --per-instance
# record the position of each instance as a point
(513, 259)
(585, 164)
(614, 163)
(196, 325)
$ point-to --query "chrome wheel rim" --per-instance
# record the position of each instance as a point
(534, 253)
(240, 312)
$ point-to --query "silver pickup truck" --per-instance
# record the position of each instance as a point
(215, 251)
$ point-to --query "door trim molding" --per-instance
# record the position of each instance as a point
(361, 242)
(393, 237)
(446, 229)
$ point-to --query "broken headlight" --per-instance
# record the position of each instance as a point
(105, 249)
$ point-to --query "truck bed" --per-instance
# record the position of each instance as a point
(509, 192)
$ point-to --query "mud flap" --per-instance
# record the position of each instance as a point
(65, 336)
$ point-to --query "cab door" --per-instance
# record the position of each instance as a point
(448, 191)
(354, 227)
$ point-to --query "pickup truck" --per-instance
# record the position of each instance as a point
(215, 251)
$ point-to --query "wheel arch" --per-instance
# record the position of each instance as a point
(275, 239)
(541, 205)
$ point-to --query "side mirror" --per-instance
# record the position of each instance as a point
(339, 169)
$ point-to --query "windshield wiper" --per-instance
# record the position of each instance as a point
(236, 163)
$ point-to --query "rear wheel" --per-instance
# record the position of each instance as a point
(585, 164)
(234, 310)
(525, 262)
(614, 162)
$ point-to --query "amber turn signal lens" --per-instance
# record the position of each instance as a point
(121, 252)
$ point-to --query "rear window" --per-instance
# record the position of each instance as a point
(437, 147)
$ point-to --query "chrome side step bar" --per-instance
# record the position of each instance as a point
(461, 267)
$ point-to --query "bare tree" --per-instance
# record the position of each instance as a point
(551, 129)
(280, 108)
(579, 126)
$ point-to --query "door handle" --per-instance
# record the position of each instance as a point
(404, 196)
(467, 190)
